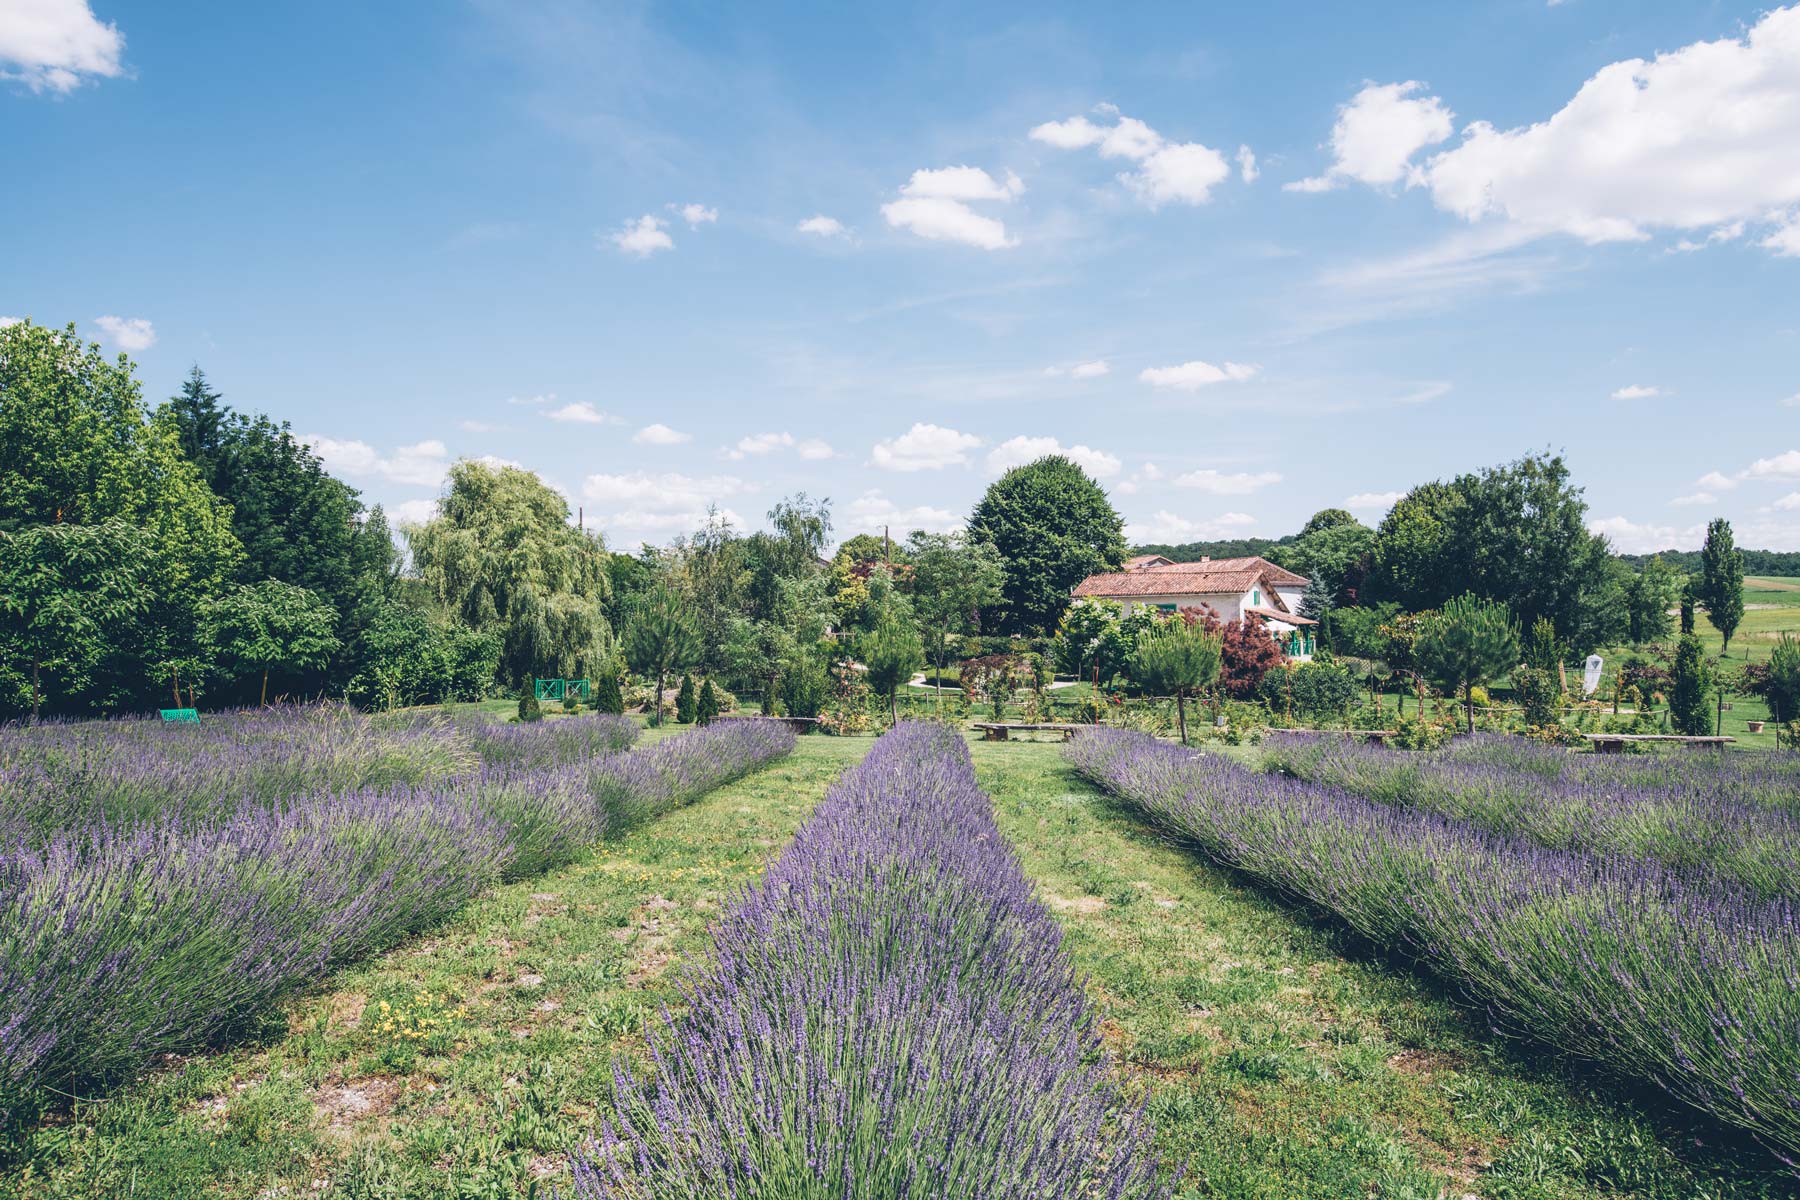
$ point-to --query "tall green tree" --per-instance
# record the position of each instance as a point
(1650, 594)
(1052, 526)
(1722, 581)
(953, 579)
(891, 652)
(73, 603)
(502, 555)
(1410, 558)
(1693, 679)
(1176, 658)
(1466, 643)
(660, 636)
(269, 626)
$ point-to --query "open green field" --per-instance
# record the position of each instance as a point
(1278, 1056)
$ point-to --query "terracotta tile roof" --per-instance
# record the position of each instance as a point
(1138, 562)
(1214, 577)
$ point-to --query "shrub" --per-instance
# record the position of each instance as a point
(686, 702)
(1539, 694)
(804, 687)
(529, 708)
(707, 707)
(607, 697)
(1692, 678)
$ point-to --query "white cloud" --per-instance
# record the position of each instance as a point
(1246, 161)
(1636, 391)
(660, 435)
(1168, 172)
(579, 412)
(127, 333)
(1694, 498)
(665, 493)
(643, 237)
(759, 444)
(1730, 232)
(1215, 483)
(1016, 452)
(1378, 133)
(1373, 501)
(821, 225)
(533, 401)
(1788, 503)
(1718, 481)
(1697, 138)
(53, 45)
(962, 183)
(934, 204)
(1082, 370)
(1166, 527)
(1785, 465)
(477, 427)
(1631, 537)
(1792, 401)
(872, 510)
(414, 512)
(698, 214)
(421, 464)
(1192, 376)
(924, 448)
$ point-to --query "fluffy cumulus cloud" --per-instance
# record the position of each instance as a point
(421, 464)
(873, 510)
(1192, 376)
(579, 412)
(414, 512)
(1378, 133)
(1636, 391)
(127, 333)
(1372, 501)
(53, 45)
(697, 215)
(924, 448)
(1633, 537)
(758, 445)
(660, 435)
(820, 225)
(1219, 483)
(1166, 172)
(935, 204)
(1164, 526)
(1016, 452)
(643, 237)
(1785, 465)
(1693, 499)
(1696, 140)
(643, 506)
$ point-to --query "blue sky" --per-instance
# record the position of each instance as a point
(1243, 261)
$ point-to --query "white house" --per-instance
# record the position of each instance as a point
(1230, 588)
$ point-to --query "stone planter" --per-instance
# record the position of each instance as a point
(1756, 726)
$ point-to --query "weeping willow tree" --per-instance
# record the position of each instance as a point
(503, 557)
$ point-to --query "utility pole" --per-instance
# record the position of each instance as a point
(887, 548)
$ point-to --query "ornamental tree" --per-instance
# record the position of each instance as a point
(953, 579)
(1466, 643)
(1693, 677)
(1053, 527)
(891, 652)
(1721, 587)
(268, 625)
(1176, 658)
(659, 636)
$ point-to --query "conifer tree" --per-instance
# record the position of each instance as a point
(707, 708)
(686, 702)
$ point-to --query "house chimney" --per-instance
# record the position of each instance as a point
(1206, 558)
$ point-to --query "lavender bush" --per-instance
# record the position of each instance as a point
(1694, 987)
(890, 1013)
(126, 937)
(1700, 815)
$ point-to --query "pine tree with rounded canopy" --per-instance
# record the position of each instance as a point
(1179, 658)
(1466, 643)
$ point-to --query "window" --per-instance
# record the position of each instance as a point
(1255, 598)
(1168, 608)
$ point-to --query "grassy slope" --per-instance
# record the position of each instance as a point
(1282, 1060)
(533, 990)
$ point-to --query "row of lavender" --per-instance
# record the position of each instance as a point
(1704, 815)
(1691, 985)
(127, 936)
(890, 1013)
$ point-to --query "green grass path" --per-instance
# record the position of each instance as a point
(1280, 1060)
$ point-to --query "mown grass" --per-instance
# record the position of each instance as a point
(1281, 1058)
(494, 1046)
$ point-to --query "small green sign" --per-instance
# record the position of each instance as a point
(182, 716)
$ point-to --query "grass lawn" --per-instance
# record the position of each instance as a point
(498, 1035)
(1282, 1059)
(1278, 1057)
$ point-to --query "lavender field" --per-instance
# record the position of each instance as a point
(162, 887)
(1681, 971)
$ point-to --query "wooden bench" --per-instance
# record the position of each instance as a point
(997, 731)
(1614, 743)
